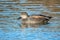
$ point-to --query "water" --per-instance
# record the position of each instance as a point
(12, 29)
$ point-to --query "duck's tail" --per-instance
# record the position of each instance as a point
(48, 17)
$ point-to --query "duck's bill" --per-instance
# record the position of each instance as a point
(19, 18)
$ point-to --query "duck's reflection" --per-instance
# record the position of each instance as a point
(27, 25)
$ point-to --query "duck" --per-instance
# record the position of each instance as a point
(38, 18)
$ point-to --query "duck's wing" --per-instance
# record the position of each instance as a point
(47, 17)
(39, 16)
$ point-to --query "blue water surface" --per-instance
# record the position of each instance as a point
(10, 27)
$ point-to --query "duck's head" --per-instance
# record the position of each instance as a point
(23, 15)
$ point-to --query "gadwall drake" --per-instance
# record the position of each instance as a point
(34, 18)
